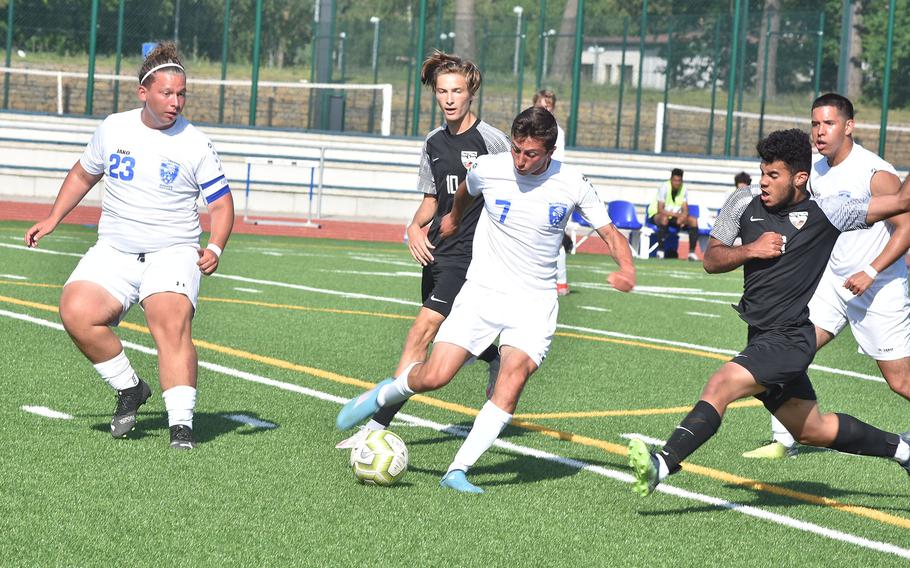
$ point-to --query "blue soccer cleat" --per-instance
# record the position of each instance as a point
(457, 480)
(359, 409)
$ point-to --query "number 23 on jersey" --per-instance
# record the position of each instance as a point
(121, 167)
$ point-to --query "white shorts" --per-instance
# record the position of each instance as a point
(523, 321)
(879, 318)
(131, 278)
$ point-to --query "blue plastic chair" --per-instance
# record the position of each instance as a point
(623, 215)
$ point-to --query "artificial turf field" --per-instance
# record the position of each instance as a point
(290, 328)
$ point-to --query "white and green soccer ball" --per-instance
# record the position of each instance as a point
(381, 458)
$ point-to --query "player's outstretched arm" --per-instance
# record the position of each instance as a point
(78, 182)
(418, 243)
(724, 258)
(884, 206)
(623, 279)
(884, 183)
(222, 213)
(449, 224)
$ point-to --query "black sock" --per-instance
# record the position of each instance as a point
(696, 428)
(693, 239)
(490, 353)
(856, 437)
(385, 414)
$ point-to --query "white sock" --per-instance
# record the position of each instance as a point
(562, 276)
(180, 402)
(488, 425)
(780, 433)
(398, 390)
(374, 426)
(662, 470)
(118, 372)
(902, 455)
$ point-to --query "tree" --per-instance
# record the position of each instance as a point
(563, 54)
(465, 45)
(770, 14)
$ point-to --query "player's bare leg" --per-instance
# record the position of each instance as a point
(897, 375)
(514, 371)
(169, 316)
(87, 310)
(783, 444)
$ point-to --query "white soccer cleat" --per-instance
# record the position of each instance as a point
(358, 436)
(693, 257)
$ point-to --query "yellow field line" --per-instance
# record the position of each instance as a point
(551, 432)
(639, 412)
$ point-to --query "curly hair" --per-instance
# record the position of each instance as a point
(163, 54)
(441, 63)
(792, 147)
(535, 122)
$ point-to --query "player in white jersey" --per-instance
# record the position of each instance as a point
(155, 166)
(865, 281)
(511, 283)
(547, 99)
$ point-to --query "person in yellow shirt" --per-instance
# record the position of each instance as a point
(669, 208)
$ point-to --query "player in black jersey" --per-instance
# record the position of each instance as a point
(787, 238)
(447, 153)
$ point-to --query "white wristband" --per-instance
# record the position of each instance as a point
(870, 271)
(217, 249)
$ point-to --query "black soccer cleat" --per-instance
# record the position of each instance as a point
(182, 437)
(128, 403)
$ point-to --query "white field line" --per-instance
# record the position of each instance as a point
(643, 438)
(250, 421)
(365, 273)
(539, 454)
(317, 290)
(249, 290)
(594, 308)
(269, 253)
(13, 277)
(380, 260)
(702, 315)
(41, 250)
(832, 370)
(47, 412)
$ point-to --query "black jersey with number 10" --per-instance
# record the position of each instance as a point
(443, 166)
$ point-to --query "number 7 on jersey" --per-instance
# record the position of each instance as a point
(505, 208)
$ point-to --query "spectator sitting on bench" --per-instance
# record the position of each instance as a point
(669, 208)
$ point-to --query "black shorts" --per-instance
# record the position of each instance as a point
(440, 285)
(778, 360)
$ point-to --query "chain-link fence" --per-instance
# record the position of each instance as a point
(645, 76)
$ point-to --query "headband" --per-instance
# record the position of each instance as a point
(163, 65)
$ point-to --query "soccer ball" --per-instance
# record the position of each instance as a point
(380, 459)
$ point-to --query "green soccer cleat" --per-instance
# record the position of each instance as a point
(773, 450)
(645, 466)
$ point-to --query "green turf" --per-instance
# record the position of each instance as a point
(70, 495)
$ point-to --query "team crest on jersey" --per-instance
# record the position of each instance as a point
(467, 158)
(557, 213)
(799, 218)
(168, 171)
